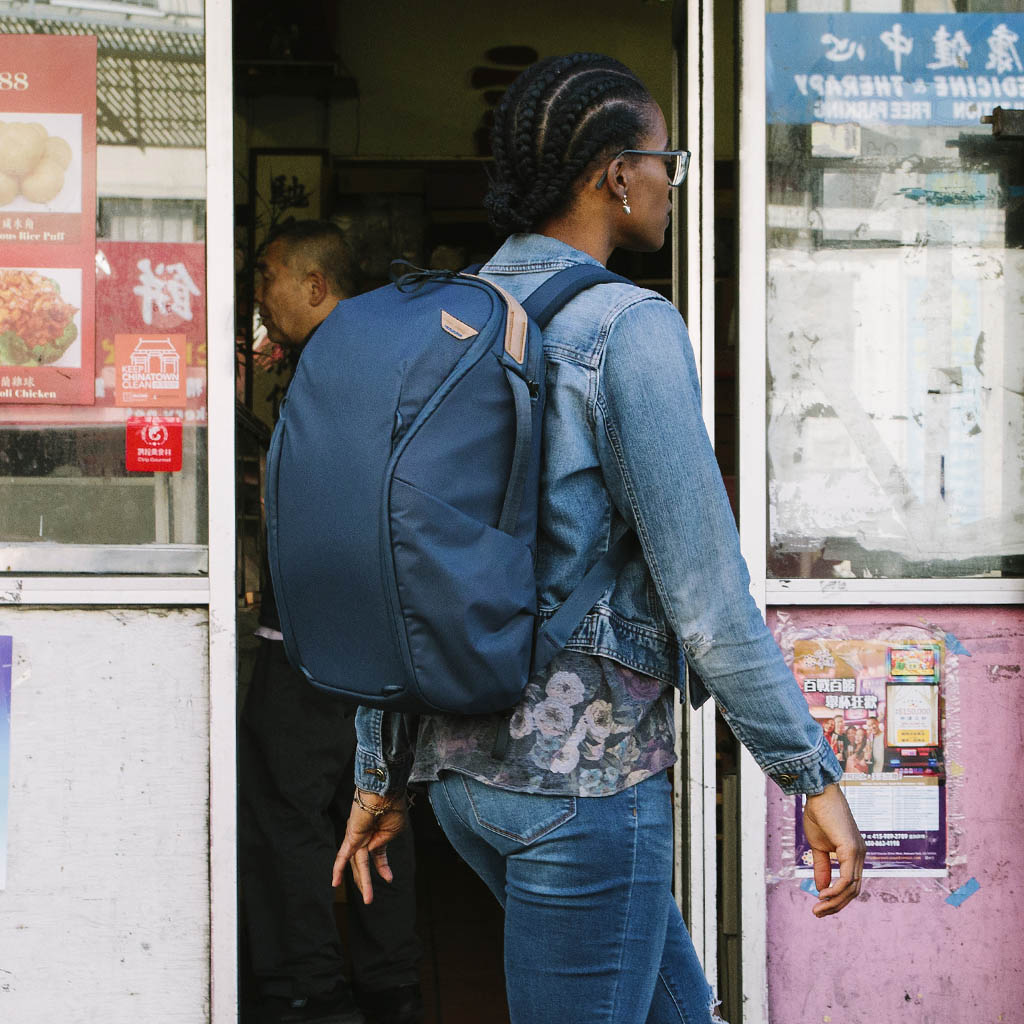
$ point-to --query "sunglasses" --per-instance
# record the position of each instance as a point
(677, 163)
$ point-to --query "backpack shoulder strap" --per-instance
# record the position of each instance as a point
(555, 633)
(560, 288)
(541, 307)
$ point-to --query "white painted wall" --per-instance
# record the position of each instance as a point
(163, 173)
(106, 912)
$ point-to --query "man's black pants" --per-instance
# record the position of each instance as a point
(296, 748)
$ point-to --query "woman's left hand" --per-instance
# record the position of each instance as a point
(830, 827)
(367, 834)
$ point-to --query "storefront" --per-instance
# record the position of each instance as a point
(850, 225)
(117, 514)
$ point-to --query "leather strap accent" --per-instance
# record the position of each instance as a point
(516, 324)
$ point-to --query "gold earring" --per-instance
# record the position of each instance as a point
(625, 203)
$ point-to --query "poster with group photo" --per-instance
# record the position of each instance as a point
(47, 220)
(879, 706)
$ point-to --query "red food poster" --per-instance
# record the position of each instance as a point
(153, 444)
(47, 220)
(164, 281)
(149, 370)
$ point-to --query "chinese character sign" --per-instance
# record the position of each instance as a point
(151, 286)
(151, 326)
(914, 69)
(164, 290)
(47, 219)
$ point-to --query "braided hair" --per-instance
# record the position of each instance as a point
(558, 118)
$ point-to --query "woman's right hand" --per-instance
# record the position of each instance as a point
(367, 834)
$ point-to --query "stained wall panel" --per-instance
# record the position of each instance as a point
(105, 916)
(919, 950)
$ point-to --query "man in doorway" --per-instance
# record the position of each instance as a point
(295, 765)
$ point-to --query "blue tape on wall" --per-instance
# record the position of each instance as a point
(965, 892)
(808, 886)
(954, 646)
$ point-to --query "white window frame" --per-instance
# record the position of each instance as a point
(220, 327)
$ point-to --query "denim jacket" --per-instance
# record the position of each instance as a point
(625, 447)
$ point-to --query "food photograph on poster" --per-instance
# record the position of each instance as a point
(40, 165)
(47, 224)
(40, 316)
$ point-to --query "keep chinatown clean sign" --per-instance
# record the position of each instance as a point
(911, 69)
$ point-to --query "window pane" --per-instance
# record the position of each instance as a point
(100, 464)
(895, 293)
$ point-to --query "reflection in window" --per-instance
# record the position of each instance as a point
(895, 311)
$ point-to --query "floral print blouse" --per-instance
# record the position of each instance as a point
(586, 726)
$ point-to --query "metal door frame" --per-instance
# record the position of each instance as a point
(693, 262)
(220, 328)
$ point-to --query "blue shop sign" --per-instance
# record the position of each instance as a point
(913, 69)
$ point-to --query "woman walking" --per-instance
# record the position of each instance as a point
(571, 829)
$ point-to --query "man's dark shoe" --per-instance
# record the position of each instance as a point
(335, 1007)
(401, 1005)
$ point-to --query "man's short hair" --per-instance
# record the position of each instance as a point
(317, 245)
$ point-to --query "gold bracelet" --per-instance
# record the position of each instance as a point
(380, 809)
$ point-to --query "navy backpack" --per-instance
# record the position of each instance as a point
(402, 496)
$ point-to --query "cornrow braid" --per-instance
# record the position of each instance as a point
(557, 119)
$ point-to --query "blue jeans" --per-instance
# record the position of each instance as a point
(592, 933)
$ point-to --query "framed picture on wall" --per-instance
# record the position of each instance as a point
(285, 184)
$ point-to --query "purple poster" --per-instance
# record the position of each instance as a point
(879, 705)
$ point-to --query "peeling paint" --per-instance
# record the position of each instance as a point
(1004, 671)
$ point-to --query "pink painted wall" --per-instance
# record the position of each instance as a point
(902, 953)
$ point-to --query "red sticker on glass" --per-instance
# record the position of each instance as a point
(153, 444)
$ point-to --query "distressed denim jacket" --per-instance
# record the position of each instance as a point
(625, 447)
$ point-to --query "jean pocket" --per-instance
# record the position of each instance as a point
(521, 817)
